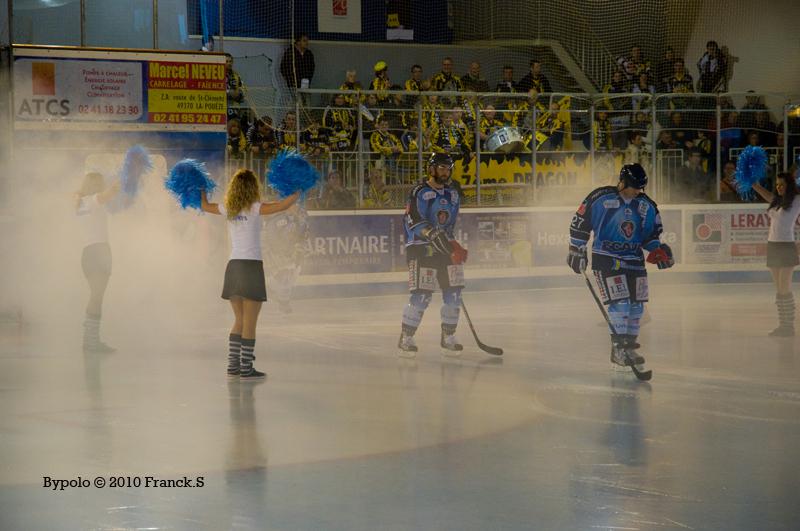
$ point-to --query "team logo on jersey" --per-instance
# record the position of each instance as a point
(442, 216)
(628, 213)
(626, 227)
(443, 201)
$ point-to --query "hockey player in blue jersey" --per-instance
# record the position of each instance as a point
(435, 258)
(625, 221)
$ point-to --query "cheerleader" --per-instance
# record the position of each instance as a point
(784, 209)
(244, 276)
(90, 206)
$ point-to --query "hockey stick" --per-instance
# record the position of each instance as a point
(641, 375)
(494, 351)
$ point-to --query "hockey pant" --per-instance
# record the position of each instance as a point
(624, 291)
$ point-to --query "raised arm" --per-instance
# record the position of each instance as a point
(211, 208)
(278, 206)
(108, 194)
(763, 192)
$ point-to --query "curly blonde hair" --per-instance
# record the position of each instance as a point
(243, 191)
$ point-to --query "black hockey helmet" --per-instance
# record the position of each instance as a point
(633, 175)
(443, 159)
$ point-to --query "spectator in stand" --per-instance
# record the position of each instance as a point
(489, 124)
(726, 103)
(683, 137)
(753, 139)
(694, 184)
(664, 70)
(472, 80)
(535, 79)
(643, 86)
(261, 138)
(350, 83)
(287, 131)
(236, 93)
(549, 133)
(370, 111)
(642, 123)
(711, 68)
(602, 132)
(469, 110)
(665, 141)
(727, 184)
(339, 120)
(681, 81)
(507, 83)
(432, 110)
(237, 142)
(628, 70)
(315, 140)
(335, 195)
(381, 82)
(767, 131)
(413, 84)
(409, 138)
(636, 152)
(451, 137)
(446, 80)
(297, 65)
(383, 142)
(377, 195)
(706, 147)
(639, 63)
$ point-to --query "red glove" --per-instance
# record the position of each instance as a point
(458, 254)
(662, 257)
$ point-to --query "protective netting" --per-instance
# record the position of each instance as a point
(552, 96)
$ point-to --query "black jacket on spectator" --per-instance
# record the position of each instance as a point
(474, 84)
(304, 63)
(712, 72)
(542, 85)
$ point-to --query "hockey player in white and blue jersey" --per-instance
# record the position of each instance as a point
(435, 258)
(624, 221)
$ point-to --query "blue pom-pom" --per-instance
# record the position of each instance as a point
(290, 172)
(185, 181)
(751, 167)
(137, 162)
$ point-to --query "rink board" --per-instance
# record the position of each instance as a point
(531, 238)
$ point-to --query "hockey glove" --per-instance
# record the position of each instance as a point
(459, 254)
(440, 241)
(576, 258)
(662, 257)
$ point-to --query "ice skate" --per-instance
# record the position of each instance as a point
(406, 346)
(782, 331)
(450, 345)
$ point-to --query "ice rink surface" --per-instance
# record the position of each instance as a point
(344, 435)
